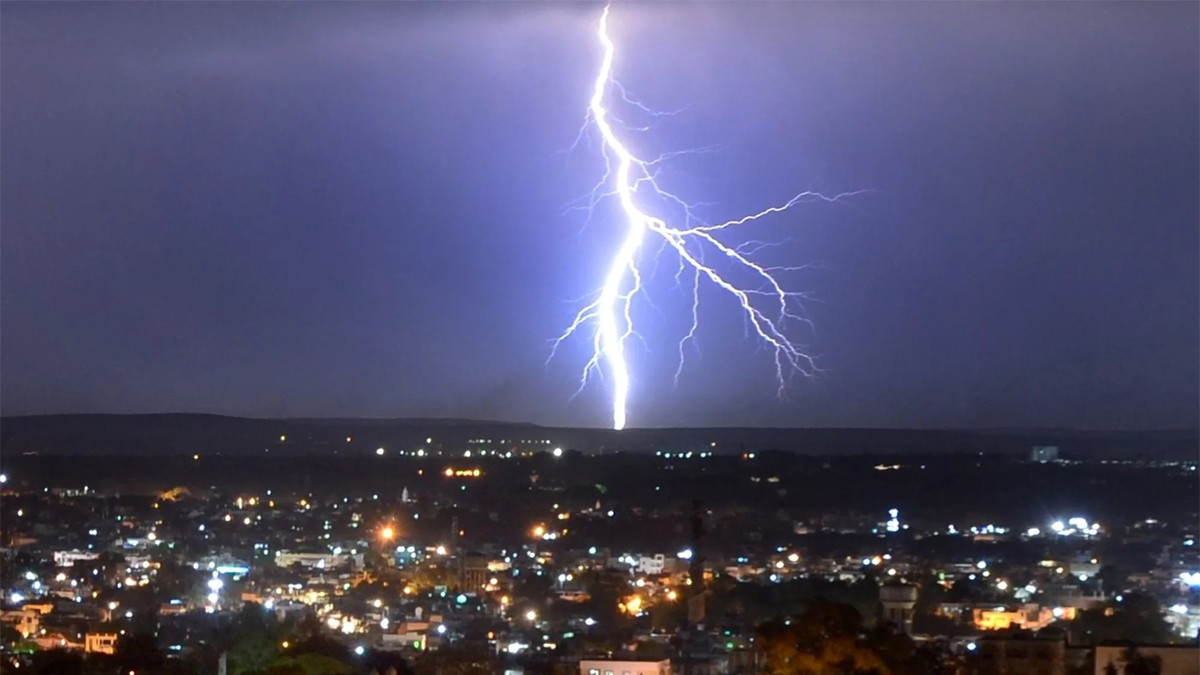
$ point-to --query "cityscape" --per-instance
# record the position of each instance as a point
(491, 554)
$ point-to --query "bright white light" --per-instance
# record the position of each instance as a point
(971, 646)
(30, 576)
(1057, 612)
(766, 306)
(981, 564)
(1032, 532)
(16, 598)
(1002, 585)
(215, 584)
(531, 615)
(1190, 578)
(558, 452)
(212, 598)
(383, 623)
(1057, 526)
(441, 629)
(589, 621)
(360, 650)
(1178, 608)
(379, 451)
(685, 554)
(3, 478)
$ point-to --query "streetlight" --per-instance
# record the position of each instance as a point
(531, 615)
(387, 533)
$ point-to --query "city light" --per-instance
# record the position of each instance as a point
(531, 615)
(685, 554)
(379, 451)
(387, 533)
(558, 452)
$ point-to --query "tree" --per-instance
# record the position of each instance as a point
(253, 640)
(1138, 618)
(821, 641)
(1137, 663)
(455, 661)
(138, 652)
(309, 664)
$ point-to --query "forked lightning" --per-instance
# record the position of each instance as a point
(766, 306)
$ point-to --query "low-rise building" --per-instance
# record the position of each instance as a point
(590, 667)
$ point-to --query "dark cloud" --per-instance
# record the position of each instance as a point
(357, 209)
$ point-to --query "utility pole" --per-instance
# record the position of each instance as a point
(693, 628)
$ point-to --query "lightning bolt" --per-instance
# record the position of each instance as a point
(766, 306)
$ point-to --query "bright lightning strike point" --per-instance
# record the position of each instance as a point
(766, 307)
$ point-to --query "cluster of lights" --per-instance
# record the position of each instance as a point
(893, 522)
(685, 455)
(451, 472)
(1075, 526)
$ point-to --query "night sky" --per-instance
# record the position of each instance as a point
(303, 209)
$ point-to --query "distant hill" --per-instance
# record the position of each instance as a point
(167, 434)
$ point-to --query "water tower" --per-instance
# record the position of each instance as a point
(898, 600)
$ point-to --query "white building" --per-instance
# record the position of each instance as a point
(318, 561)
(652, 564)
(68, 558)
(625, 667)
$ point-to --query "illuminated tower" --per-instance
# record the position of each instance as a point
(898, 600)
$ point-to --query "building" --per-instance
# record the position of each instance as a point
(68, 558)
(663, 667)
(1020, 653)
(898, 601)
(473, 572)
(100, 643)
(1174, 659)
(1026, 617)
(314, 560)
(27, 622)
(652, 565)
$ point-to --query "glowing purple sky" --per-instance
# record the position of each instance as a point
(357, 210)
